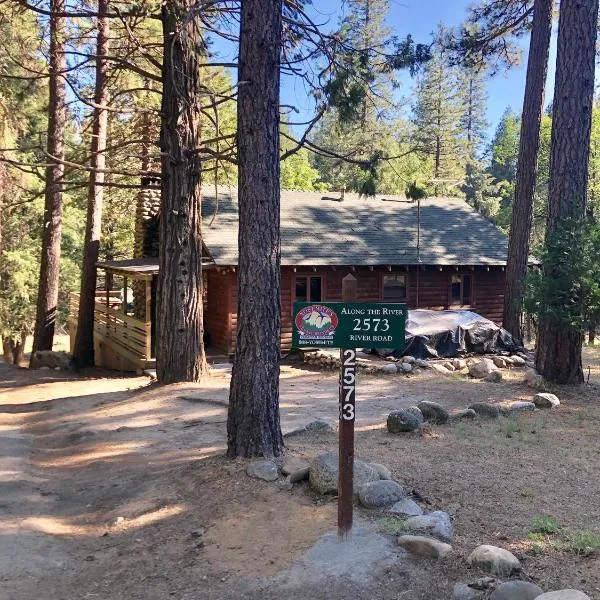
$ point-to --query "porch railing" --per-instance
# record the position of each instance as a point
(132, 337)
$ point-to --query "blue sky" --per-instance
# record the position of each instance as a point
(420, 18)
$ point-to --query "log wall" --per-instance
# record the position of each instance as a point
(433, 293)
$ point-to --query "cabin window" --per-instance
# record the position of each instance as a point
(394, 288)
(461, 290)
(309, 289)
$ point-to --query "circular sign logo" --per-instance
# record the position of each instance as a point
(316, 321)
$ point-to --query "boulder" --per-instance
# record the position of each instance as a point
(433, 412)
(520, 406)
(534, 380)
(406, 508)
(464, 592)
(401, 421)
(409, 360)
(384, 472)
(389, 368)
(493, 377)
(546, 400)
(499, 361)
(406, 367)
(485, 409)
(415, 410)
(494, 560)
(459, 364)
(296, 468)
(481, 368)
(49, 359)
(517, 361)
(424, 546)
(324, 470)
(380, 494)
(262, 469)
(319, 425)
(422, 363)
(564, 595)
(437, 524)
(516, 590)
(463, 415)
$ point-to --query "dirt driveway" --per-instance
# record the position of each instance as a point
(113, 488)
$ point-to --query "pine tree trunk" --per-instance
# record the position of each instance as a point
(83, 352)
(179, 345)
(522, 214)
(253, 427)
(47, 300)
(559, 346)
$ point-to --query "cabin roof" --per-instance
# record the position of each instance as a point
(321, 229)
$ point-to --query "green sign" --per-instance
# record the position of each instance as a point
(349, 325)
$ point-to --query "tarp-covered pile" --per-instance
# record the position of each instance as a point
(447, 333)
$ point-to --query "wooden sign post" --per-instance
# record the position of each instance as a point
(347, 417)
(348, 325)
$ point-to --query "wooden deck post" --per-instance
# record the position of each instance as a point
(148, 314)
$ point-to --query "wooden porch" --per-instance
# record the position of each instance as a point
(123, 317)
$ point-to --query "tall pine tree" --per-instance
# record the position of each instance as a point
(437, 118)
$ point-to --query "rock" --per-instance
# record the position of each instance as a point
(319, 425)
(463, 415)
(464, 592)
(499, 361)
(493, 377)
(410, 360)
(415, 410)
(401, 421)
(296, 468)
(422, 363)
(437, 524)
(459, 364)
(449, 366)
(323, 473)
(50, 359)
(516, 590)
(380, 494)
(494, 560)
(564, 595)
(485, 409)
(262, 469)
(520, 406)
(433, 412)
(439, 368)
(534, 380)
(384, 472)
(546, 400)
(517, 361)
(407, 508)
(406, 367)
(480, 369)
(285, 485)
(424, 546)
(390, 369)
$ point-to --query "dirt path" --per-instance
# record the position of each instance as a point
(106, 482)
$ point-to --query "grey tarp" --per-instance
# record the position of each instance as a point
(447, 333)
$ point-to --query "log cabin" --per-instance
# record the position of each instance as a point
(438, 253)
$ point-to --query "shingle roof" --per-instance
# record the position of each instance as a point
(318, 229)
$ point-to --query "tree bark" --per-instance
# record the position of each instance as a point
(522, 213)
(253, 427)
(83, 352)
(47, 300)
(559, 345)
(179, 344)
